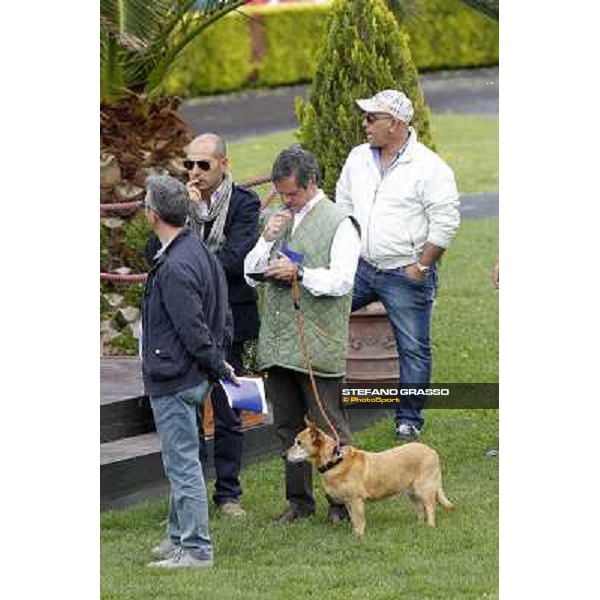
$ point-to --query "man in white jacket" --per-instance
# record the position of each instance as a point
(404, 197)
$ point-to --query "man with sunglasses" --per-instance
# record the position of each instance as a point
(225, 216)
(405, 199)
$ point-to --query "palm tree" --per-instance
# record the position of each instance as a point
(139, 42)
(139, 129)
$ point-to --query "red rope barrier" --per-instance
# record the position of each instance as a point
(130, 278)
(121, 206)
(250, 183)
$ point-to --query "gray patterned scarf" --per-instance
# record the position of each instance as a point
(219, 207)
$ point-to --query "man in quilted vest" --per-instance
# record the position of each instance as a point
(324, 244)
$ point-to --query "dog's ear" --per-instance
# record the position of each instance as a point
(315, 434)
(311, 425)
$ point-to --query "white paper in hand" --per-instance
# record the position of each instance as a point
(249, 395)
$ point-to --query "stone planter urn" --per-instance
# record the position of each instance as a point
(372, 354)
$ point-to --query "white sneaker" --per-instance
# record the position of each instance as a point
(181, 559)
(405, 432)
(165, 547)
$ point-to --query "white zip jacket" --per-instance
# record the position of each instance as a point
(416, 201)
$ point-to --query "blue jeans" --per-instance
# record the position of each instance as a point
(175, 418)
(409, 306)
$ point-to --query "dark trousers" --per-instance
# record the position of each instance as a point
(291, 395)
(228, 438)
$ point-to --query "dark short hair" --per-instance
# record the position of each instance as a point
(296, 161)
(168, 198)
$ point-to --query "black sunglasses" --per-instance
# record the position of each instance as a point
(372, 117)
(203, 165)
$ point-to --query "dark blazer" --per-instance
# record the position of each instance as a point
(185, 318)
(241, 234)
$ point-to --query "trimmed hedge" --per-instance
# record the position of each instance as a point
(218, 61)
(446, 34)
(292, 37)
(274, 45)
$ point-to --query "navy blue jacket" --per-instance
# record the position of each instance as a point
(241, 233)
(185, 318)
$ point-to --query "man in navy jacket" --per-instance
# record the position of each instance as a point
(186, 326)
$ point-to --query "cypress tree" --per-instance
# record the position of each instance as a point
(363, 53)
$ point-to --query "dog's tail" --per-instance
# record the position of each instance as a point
(441, 496)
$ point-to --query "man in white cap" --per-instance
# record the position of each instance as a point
(404, 197)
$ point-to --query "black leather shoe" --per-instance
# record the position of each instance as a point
(291, 513)
(337, 514)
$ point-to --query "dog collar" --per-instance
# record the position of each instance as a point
(338, 458)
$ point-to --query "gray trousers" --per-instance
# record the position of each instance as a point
(290, 393)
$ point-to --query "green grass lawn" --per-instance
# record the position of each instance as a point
(399, 557)
(465, 319)
(468, 143)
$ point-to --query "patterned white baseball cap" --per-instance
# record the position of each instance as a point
(393, 102)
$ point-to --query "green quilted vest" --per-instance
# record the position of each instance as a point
(325, 317)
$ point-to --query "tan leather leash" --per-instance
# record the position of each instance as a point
(306, 352)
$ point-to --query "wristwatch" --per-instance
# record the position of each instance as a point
(424, 269)
(299, 272)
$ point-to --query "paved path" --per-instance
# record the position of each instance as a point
(473, 91)
(479, 206)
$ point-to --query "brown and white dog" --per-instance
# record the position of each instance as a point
(352, 476)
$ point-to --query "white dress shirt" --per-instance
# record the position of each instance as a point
(336, 280)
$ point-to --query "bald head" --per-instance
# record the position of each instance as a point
(207, 163)
(209, 143)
